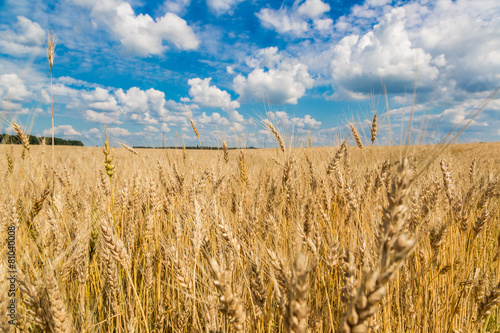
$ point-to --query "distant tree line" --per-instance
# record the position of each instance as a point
(34, 140)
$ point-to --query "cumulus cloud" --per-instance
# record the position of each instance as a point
(385, 54)
(451, 45)
(100, 117)
(118, 131)
(13, 92)
(214, 119)
(133, 100)
(209, 95)
(222, 6)
(26, 38)
(100, 99)
(466, 34)
(164, 128)
(203, 93)
(283, 119)
(462, 112)
(141, 34)
(116, 106)
(141, 106)
(12, 88)
(275, 79)
(176, 6)
(69, 81)
(313, 8)
(299, 19)
(151, 129)
(64, 130)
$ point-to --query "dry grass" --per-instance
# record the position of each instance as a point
(307, 240)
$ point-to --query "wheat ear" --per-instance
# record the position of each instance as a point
(277, 135)
(356, 136)
(395, 245)
(231, 304)
(226, 151)
(374, 128)
(297, 310)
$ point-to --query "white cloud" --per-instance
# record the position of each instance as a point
(461, 113)
(141, 34)
(214, 119)
(13, 92)
(281, 21)
(136, 105)
(313, 8)
(100, 99)
(203, 93)
(363, 16)
(386, 53)
(299, 19)
(176, 6)
(27, 38)
(222, 6)
(93, 133)
(69, 81)
(306, 123)
(466, 34)
(134, 100)
(64, 130)
(453, 46)
(165, 128)
(151, 129)
(12, 88)
(140, 106)
(209, 95)
(118, 131)
(104, 118)
(284, 81)
(181, 107)
(283, 119)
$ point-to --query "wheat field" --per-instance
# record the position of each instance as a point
(348, 238)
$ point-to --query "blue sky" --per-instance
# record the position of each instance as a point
(311, 67)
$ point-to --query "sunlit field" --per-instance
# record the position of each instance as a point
(333, 239)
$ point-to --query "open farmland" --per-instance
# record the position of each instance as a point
(333, 239)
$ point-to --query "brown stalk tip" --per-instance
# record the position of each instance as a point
(108, 159)
(374, 128)
(490, 301)
(130, 149)
(24, 138)
(231, 304)
(226, 151)
(243, 167)
(355, 134)
(277, 135)
(298, 310)
(51, 47)
(115, 245)
(195, 129)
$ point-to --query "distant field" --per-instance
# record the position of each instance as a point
(332, 239)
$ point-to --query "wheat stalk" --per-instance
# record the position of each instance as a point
(51, 48)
